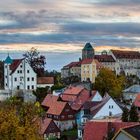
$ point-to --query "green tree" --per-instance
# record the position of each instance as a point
(125, 115)
(1, 74)
(133, 114)
(36, 61)
(107, 81)
(41, 93)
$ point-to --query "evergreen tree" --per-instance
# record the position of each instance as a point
(125, 115)
(133, 114)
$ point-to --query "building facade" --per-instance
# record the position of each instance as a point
(19, 75)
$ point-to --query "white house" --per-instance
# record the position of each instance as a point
(19, 75)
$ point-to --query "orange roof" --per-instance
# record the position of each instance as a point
(87, 61)
(137, 101)
(55, 106)
(101, 129)
(49, 99)
(73, 90)
(45, 80)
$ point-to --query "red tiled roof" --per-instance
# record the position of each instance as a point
(73, 90)
(98, 64)
(126, 54)
(15, 64)
(80, 100)
(98, 130)
(49, 99)
(54, 106)
(73, 64)
(137, 101)
(45, 80)
(87, 61)
(104, 58)
(44, 124)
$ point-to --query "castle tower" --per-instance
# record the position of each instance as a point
(88, 51)
(8, 61)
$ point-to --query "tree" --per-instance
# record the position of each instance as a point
(133, 114)
(107, 81)
(17, 123)
(41, 93)
(36, 61)
(125, 115)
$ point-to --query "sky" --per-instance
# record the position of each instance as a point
(62, 27)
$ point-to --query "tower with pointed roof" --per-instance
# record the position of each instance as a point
(88, 51)
(8, 61)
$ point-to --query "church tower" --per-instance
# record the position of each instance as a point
(88, 51)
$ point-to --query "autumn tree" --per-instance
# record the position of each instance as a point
(107, 81)
(36, 61)
(16, 121)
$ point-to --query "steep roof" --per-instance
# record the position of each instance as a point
(126, 54)
(133, 131)
(49, 99)
(137, 100)
(15, 64)
(54, 106)
(8, 60)
(101, 129)
(88, 47)
(87, 61)
(45, 80)
(104, 58)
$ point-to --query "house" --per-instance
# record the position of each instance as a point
(43, 82)
(108, 62)
(107, 107)
(48, 128)
(72, 69)
(130, 93)
(89, 69)
(128, 133)
(61, 112)
(102, 130)
(129, 61)
(19, 75)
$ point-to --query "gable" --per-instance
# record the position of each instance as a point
(110, 107)
(97, 97)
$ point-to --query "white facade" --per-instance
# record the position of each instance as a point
(22, 77)
(65, 125)
(97, 97)
(109, 109)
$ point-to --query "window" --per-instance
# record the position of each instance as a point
(28, 71)
(28, 87)
(20, 66)
(67, 110)
(6, 77)
(32, 86)
(20, 71)
(63, 117)
(32, 78)
(70, 116)
(17, 87)
(15, 79)
(6, 84)
(110, 113)
(28, 79)
(5, 66)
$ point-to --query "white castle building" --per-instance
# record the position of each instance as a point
(19, 75)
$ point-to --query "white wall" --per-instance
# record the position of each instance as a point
(104, 111)
(97, 97)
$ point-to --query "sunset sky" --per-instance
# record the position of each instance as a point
(63, 26)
